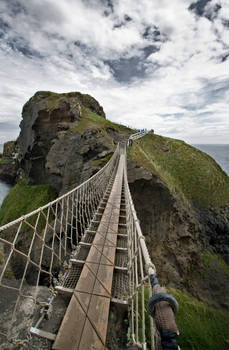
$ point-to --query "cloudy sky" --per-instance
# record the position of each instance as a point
(161, 64)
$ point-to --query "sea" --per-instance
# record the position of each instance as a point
(4, 188)
(219, 152)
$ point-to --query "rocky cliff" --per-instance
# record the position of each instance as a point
(63, 137)
(181, 195)
(8, 163)
(182, 200)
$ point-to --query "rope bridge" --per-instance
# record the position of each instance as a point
(86, 246)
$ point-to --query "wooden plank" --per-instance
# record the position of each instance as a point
(90, 339)
(111, 238)
(69, 338)
(94, 255)
(85, 322)
(87, 278)
(97, 314)
(99, 239)
(84, 300)
(104, 281)
(108, 257)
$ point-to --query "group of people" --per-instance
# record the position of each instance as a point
(142, 130)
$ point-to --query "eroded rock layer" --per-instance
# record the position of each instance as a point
(52, 150)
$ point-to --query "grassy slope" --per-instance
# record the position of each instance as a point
(100, 125)
(93, 121)
(210, 259)
(187, 171)
(201, 327)
(23, 199)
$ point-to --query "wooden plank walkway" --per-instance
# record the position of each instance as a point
(85, 323)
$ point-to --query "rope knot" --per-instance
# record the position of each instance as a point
(152, 266)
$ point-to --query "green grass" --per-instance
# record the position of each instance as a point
(188, 172)
(201, 327)
(94, 121)
(23, 199)
(210, 259)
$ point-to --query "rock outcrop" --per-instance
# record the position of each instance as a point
(8, 171)
(183, 217)
(171, 231)
(8, 163)
(58, 142)
(10, 149)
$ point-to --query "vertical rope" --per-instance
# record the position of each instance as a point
(138, 263)
(35, 246)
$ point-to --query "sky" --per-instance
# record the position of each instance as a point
(155, 64)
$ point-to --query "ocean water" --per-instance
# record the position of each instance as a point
(219, 152)
(4, 189)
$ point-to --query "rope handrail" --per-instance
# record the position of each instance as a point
(150, 267)
(141, 269)
(60, 197)
(137, 135)
(35, 247)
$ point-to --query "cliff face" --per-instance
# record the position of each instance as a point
(181, 195)
(59, 140)
(182, 198)
(170, 229)
(8, 163)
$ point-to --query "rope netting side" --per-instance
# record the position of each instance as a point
(147, 297)
(141, 326)
(34, 247)
(137, 135)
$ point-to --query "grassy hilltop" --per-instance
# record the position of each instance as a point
(188, 172)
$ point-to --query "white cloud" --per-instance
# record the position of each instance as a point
(68, 46)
